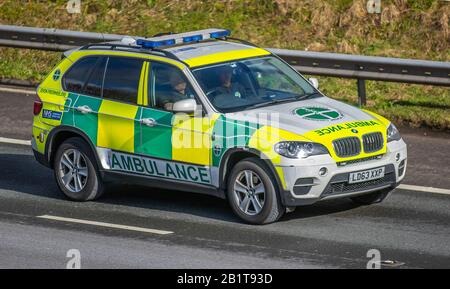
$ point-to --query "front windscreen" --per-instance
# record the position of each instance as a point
(250, 83)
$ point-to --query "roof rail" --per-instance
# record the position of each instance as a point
(163, 34)
(120, 46)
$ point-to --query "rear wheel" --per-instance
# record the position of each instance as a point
(252, 193)
(372, 198)
(75, 173)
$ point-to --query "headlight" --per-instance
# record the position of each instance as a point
(392, 133)
(297, 149)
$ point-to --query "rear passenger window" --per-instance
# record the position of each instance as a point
(75, 78)
(94, 85)
(122, 79)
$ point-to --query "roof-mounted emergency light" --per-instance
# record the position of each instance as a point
(187, 37)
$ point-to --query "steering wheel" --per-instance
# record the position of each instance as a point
(212, 93)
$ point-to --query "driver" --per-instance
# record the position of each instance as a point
(227, 85)
(178, 91)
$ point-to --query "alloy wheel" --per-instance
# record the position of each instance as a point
(249, 192)
(73, 170)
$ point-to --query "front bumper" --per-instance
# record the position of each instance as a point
(303, 185)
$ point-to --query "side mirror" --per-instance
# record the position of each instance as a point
(314, 82)
(185, 106)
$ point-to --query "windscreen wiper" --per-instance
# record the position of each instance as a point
(308, 95)
(278, 101)
(270, 102)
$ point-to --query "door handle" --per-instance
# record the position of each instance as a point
(148, 122)
(84, 109)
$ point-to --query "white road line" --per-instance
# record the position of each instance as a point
(17, 90)
(424, 189)
(107, 225)
(15, 141)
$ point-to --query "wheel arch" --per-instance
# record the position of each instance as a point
(60, 134)
(234, 155)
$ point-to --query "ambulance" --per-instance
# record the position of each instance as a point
(204, 112)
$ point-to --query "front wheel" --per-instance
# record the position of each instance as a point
(75, 172)
(252, 193)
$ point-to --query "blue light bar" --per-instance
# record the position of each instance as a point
(186, 37)
(192, 38)
(154, 44)
(220, 34)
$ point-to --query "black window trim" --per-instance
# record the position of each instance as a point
(149, 72)
(104, 76)
(88, 75)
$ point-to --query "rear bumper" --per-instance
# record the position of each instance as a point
(41, 158)
(304, 186)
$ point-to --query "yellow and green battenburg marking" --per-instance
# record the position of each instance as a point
(178, 139)
(186, 139)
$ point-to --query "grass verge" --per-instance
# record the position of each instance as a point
(408, 29)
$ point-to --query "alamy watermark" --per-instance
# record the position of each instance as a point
(73, 6)
(74, 256)
(375, 259)
(373, 6)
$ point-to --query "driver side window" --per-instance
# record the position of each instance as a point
(168, 85)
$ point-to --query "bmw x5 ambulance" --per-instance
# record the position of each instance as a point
(203, 112)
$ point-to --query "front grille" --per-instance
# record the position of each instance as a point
(347, 147)
(342, 188)
(367, 159)
(372, 142)
(339, 183)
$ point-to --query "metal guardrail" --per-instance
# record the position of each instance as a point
(368, 68)
(358, 67)
(49, 39)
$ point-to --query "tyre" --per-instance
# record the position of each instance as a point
(252, 192)
(372, 198)
(75, 171)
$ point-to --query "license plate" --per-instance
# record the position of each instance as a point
(366, 175)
